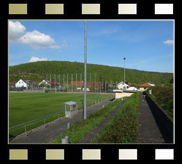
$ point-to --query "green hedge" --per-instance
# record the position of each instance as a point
(164, 97)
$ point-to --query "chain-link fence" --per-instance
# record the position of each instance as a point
(66, 83)
(26, 128)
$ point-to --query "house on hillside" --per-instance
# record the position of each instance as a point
(122, 85)
(144, 86)
(52, 83)
(43, 82)
(133, 85)
(20, 84)
(132, 89)
(29, 83)
(152, 85)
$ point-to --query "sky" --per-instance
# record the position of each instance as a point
(146, 45)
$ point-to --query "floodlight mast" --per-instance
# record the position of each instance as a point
(85, 70)
(124, 69)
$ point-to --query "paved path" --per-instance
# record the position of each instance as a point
(149, 131)
(55, 128)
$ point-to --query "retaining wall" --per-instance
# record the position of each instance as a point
(164, 121)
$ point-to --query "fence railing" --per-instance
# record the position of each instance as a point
(56, 89)
(27, 127)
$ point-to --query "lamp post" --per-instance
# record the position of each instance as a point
(85, 70)
(124, 69)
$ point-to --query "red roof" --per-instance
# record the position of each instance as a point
(92, 84)
(145, 85)
(78, 83)
(132, 84)
(12, 83)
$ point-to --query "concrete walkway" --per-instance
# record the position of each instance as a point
(55, 128)
(149, 131)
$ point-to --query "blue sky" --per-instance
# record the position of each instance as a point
(146, 45)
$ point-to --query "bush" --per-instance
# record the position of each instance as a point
(164, 97)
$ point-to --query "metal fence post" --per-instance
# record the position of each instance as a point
(68, 125)
(25, 130)
(67, 82)
(44, 123)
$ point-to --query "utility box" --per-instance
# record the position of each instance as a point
(150, 92)
(71, 109)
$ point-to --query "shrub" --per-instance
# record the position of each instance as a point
(164, 97)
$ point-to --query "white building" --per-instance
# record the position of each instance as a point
(122, 85)
(43, 82)
(21, 83)
(152, 85)
(132, 89)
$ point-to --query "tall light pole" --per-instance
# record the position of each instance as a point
(85, 71)
(124, 69)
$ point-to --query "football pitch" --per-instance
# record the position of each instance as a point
(24, 107)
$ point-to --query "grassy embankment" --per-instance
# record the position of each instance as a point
(24, 107)
(123, 128)
(80, 129)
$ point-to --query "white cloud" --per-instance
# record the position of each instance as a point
(16, 29)
(168, 42)
(35, 59)
(38, 39)
(35, 38)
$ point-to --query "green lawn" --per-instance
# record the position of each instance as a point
(24, 107)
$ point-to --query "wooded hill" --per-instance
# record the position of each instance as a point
(40, 70)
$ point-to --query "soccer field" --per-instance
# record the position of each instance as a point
(24, 107)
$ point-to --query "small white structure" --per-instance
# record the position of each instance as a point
(117, 90)
(122, 85)
(152, 85)
(120, 95)
(132, 89)
(79, 89)
(71, 109)
(43, 82)
(21, 83)
(87, 89)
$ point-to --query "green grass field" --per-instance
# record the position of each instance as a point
(24, 107)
